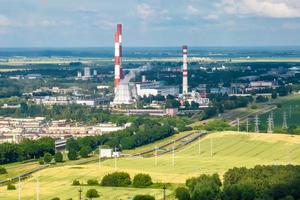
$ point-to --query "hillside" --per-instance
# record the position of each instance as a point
(229, 150)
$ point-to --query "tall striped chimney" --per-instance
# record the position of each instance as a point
(184, 70)
(118, 55)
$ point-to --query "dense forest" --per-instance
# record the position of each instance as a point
(261, 182)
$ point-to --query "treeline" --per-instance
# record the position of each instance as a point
(222, 102)
(260, 182)
(70, 112)
(25, 150)
(144, 130)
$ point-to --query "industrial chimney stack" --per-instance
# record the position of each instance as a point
(118, 55)
(184, 70)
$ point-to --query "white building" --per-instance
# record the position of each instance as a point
(106, 153)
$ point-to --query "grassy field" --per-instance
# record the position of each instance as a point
(290, 105)
(229, 149)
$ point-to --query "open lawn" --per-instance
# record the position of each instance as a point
(290, 105)
(229, 150)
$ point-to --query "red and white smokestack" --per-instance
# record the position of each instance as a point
(118, 55)
(184, 70)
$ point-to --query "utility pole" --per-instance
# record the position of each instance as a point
(99, 164)
(37, 188)
(80, 192)
(211, 147)
(284, 122)
(19, 188)
(290, 111)
(173, 154)
(156, 156)
(238, 124)
(164, 192)
(256, 121)
(199, 141)
(247, 124)
(115, 159)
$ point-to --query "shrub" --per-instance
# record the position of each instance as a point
(3, 170)
(143, 197)
(142, 180)
(92, 193)
(55, 198)
(41, 161)
(76, 182)
(72, 155)
(58, 157)
(182, 193)
(116, 179)
(11, 187)
(92, 182)
(47, 157)
(85, 151)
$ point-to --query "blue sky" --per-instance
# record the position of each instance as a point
(91, 23)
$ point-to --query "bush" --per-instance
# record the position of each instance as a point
(92, 182)
(72, 155)
(76, 182)
(11, 187)
(92, 193)
(2, 170)
(47, 157)
(41, 161)
(116, 179)
(142, 180)
(85, 151)
(143, 197)
(58, 157)
(182, 193)
(55, 198)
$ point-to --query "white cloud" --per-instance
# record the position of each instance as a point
(266, 8)
(4, 21)
(212, 17)
(144, 11)
(192, 10)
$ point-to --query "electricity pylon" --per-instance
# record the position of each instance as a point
(256, 121)
(284, 122)
(270, 122)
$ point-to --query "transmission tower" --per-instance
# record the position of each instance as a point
(290, 111)
(256, 121)
(272, 116)
(284, 123)
(270, 122)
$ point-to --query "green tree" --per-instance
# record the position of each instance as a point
(142, 180)
(85, 151)
(92, 182)
(10, 186)
(72, 155)
(274, 95)
(182, 193)
(92, 193)
(58, 157)
(143, 197)
(47, 157)
(2, 170)
(75, 182)
(116, 179)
